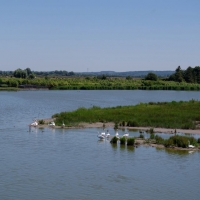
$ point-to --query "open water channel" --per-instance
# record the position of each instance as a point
(73, 164)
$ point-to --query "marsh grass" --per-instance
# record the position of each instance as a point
(123, 140)
(114, 140)
(161, 114)
(130, 141)
(180, 141)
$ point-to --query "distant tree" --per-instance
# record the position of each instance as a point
(28, 70)
(188, 75)
(102, 77)
(151, 76)
(32, 76)
(128, 78)
(196, 71)
(177, 76)
(19, 73)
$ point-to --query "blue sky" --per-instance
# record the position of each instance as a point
(99, 35)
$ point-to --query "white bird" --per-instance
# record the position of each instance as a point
(189, 145)
(126, 135)
(108, 134)
(52, 124)
(117, 135)
(35, 123)
(100, 136)
(63, 125)
(103, 134)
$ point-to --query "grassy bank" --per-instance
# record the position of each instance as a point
(185, 115)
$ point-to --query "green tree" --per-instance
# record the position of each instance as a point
(19, 73)
(151, 76)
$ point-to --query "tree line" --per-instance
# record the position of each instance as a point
(190, 75)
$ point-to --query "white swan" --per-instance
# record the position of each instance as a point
(117, 135)
(52, 124)
(100, 136)
(108, 134)
(126, 135)
(63, 125)
(189, 145)
(35, 123)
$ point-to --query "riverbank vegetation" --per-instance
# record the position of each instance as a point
(62, 80)
(184, 115)
(174, 141)
(96, 83)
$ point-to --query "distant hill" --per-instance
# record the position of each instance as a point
(137, 74)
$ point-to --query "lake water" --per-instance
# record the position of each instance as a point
(74, 164)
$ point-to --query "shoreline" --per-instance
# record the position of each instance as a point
(111, 125)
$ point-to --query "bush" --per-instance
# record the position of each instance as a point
(123, 123)
(151, 130)
(41, 121)
(159, 140)
(116, 126)
(152, 136)
(132, 123)
(114, 140)
(130, 141)
(180, 141)
(122, 140)
(141, 136)
(198, 141)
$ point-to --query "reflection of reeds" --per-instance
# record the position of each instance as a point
(161, 114)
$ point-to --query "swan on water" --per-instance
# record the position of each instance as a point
(100, 136)
(35, 123)
(52, 124)
(126, 135)
(108, 134)
(189, 145)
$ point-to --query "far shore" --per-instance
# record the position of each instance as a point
(111, 125)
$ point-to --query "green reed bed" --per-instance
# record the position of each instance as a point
(180, 141)
(162, 114)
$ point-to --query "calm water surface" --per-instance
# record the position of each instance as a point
(73, 164)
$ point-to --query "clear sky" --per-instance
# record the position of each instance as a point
(99, 35)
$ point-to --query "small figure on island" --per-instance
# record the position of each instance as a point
(175, 132)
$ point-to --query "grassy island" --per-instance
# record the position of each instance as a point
(182, 114)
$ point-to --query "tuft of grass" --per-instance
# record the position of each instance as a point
(123, 140)
(130, 141)
(114, 140)
(41, 122)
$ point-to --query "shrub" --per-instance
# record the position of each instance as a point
(116, 126)
(132, 123)
(152, 136)
(114, 140)
(122, 140)
(130, 141)
(159, 140)
(180, 141)
(141, 136)
(41, 121)
(151, 130)
(198, 141)
(123, 123)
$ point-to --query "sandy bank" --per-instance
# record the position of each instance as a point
(111, 125)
